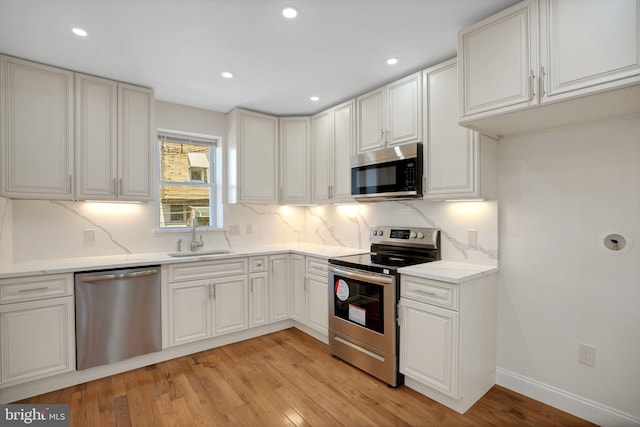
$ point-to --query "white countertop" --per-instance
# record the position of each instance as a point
(448, 271)
(70, 265)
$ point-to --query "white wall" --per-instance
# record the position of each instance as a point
(559, 192)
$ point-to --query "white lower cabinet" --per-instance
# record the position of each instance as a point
(310, 297)
(230, 305)
(37, 332)
(279, 287)
(317, 303)
(448, 338)
(298, 289)
(205, 299)
(258, 299)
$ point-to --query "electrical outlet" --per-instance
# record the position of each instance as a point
(89, 237)
(234, 230)
(587, 354)
(249, 229)
(472, 237)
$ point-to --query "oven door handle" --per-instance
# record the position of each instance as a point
(364, 277)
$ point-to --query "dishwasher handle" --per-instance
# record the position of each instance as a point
(104, 277)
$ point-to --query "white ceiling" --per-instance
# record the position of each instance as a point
(334, 49)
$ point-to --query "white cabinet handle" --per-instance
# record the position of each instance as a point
(33, 289)
(532, 78)
(421, 291)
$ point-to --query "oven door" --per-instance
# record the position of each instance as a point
(362, 306)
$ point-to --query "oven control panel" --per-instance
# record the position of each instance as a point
(414, 235)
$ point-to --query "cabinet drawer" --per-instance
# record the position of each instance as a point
(207, 269)
(35, 287)
(429, 291)
(257, 264)
(317, 266)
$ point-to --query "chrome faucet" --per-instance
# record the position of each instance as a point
(194, 243)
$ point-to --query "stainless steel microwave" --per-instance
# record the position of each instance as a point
(388, 173)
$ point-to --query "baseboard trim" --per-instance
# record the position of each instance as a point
(565, 401)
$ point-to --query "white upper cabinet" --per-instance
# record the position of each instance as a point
(588, 45)
(459, 163)
(114, 140)
(539, 52)
(136, 137)
(333, 142)
(36, 130)
(390, 115)
(498, 61)
(253, 157)
(294, 160)
(344, 138)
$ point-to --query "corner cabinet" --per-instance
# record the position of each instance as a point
(459, 163)
(252, 157)
(448, 338)
(115, 138)
(36, 130)
(37, 327)
(390, 115)
(332, 145)
(518, 64)
(295, 147)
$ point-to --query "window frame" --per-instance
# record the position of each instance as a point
(214, 144)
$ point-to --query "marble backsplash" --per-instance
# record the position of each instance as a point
(41, 229)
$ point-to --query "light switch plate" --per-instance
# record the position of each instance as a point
(89, 237)
(472, 237)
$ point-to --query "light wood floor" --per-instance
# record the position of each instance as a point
(282, 379)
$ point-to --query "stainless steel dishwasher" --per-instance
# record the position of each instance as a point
(117, 315)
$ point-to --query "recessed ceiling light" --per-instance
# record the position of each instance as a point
(315, 98)
(289, 12)
(227, 74)
(79, 32)
(392, 61)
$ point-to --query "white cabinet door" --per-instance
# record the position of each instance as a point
(321, 142)
(258, 299)
(37, 339)
(588, 46)
(294, 160)
(404, 110)
(96, 137)
(298, 289)
(459, 163)
(189, 308)
(279, 283)
(137, 135)
(230, 305)
(371, 120)
(253, 157)
(498, 62)
(36, 130)
(429, 345)
(343, 147)
(318, 303)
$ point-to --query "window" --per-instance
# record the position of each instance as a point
(187, 165)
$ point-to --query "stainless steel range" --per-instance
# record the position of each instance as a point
(364, 291)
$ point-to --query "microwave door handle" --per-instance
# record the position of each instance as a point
(363, 277)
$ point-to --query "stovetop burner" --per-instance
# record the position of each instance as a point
(394, 247)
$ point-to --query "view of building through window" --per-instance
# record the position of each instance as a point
(186, 187)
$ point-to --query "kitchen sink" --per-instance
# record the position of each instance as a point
(199, 253)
